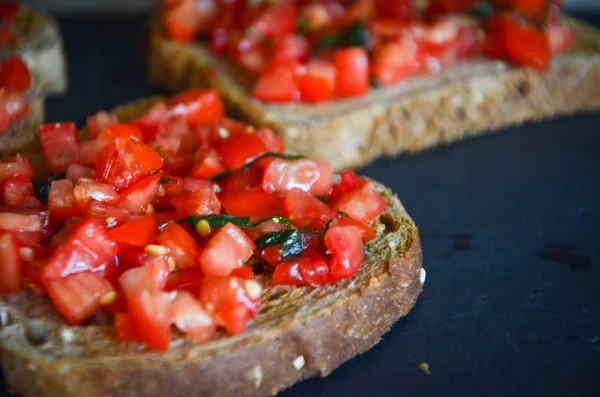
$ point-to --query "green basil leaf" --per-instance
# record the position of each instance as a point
(325, 43)
(217, 221)
(277, 219)
(252, 163)
(482, 10)
(164, 180)
(42, 188)
(289, 240)
(357, 35)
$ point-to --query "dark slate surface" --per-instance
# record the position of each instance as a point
(510, 226)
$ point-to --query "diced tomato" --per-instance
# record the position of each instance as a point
(288, 273)
(8, 12)
(220, 34)
(228, 249)
(78, 296)
(313, 269)
(88, 248)
(347, 252)
(174, 137)
(182, 246)
(561, 37)
(254, 203)
(250, 52)
(75, 172)
(125, 162)
(107, 214)
(246, 180)
(189, 280)
(118, 131)
(97, 191)
(272, 141)
(15, 190)
(191, 318)
(32, 203)
(231, 301)
(305, 210)
(149, 313)
(214, 133)
(309, 175)
(352, 78)
(533, 10)
(443, 7)
(97, 123)
(88, 150)
(364, 204)
(398, 9)
(151, 122)
(125, 330)
(269, 226)
(238, 151)
(201, 202)
(292, 48)
(59, 145)
(171, 186)
(137, 197)
(14, 74)
(349, 181)
(152, 276)
(10, 265)
(208, 164)
(367, 233)
(19, 222)
(138, 232)
(199, 107)
(527, 45)
(245, 273)
(278, 85)
(318, 84)
(61, 201)
(193, 185)
(15, 104)
(184, 19)
(279, 20)
(19, 165)
(395, 61)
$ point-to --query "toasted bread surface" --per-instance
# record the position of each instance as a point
(470, 98)
(298, 332)
(40, 44)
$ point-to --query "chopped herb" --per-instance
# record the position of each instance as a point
(164, 180)
(217, 221)
(252, 163)
(324, 43)
(289, 240)
(357, 35)
(42, 188)
(482, 10)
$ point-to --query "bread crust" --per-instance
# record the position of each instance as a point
(471, 98)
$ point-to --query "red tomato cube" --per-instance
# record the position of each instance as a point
(59, 145)
(253, 202)
(150, 314)
(347, 251)
(228, 249)
(191, 318)
(182, 246)
(309, 175)
(201, 202)
(137, 232)
(352, 78)
(364, 204)
(318, 84)
(305, 210)
(152, 276)
(10, 265)
(197, 106)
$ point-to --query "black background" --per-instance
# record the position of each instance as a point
(510, 226)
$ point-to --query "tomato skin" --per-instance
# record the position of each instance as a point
(318, 84)
(228, 249)
(208, 164)
(11, 265)
(201, 202)
(14, 74)
(238, 151)
(149, 313)
(59, 145)
(305, 210)
(78, 295)
(137, 197)
(367, 233)
(138, 232)
(254, 203)
(19, 165)
(199, 107)
(182, 246)
(232, 301)
(15, 190)
(352, 65)
(288, 273)
(91, 190)
(347, 252)
(88, 248)
(309, 175)
(364, 204)
(152, 276)
(191, 318)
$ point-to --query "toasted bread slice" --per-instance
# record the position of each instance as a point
(299, 332)
(471, 98)
(22, 133)
(39, 43)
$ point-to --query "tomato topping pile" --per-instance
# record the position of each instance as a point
(314, 51)
(15, 79)
(165, 221)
